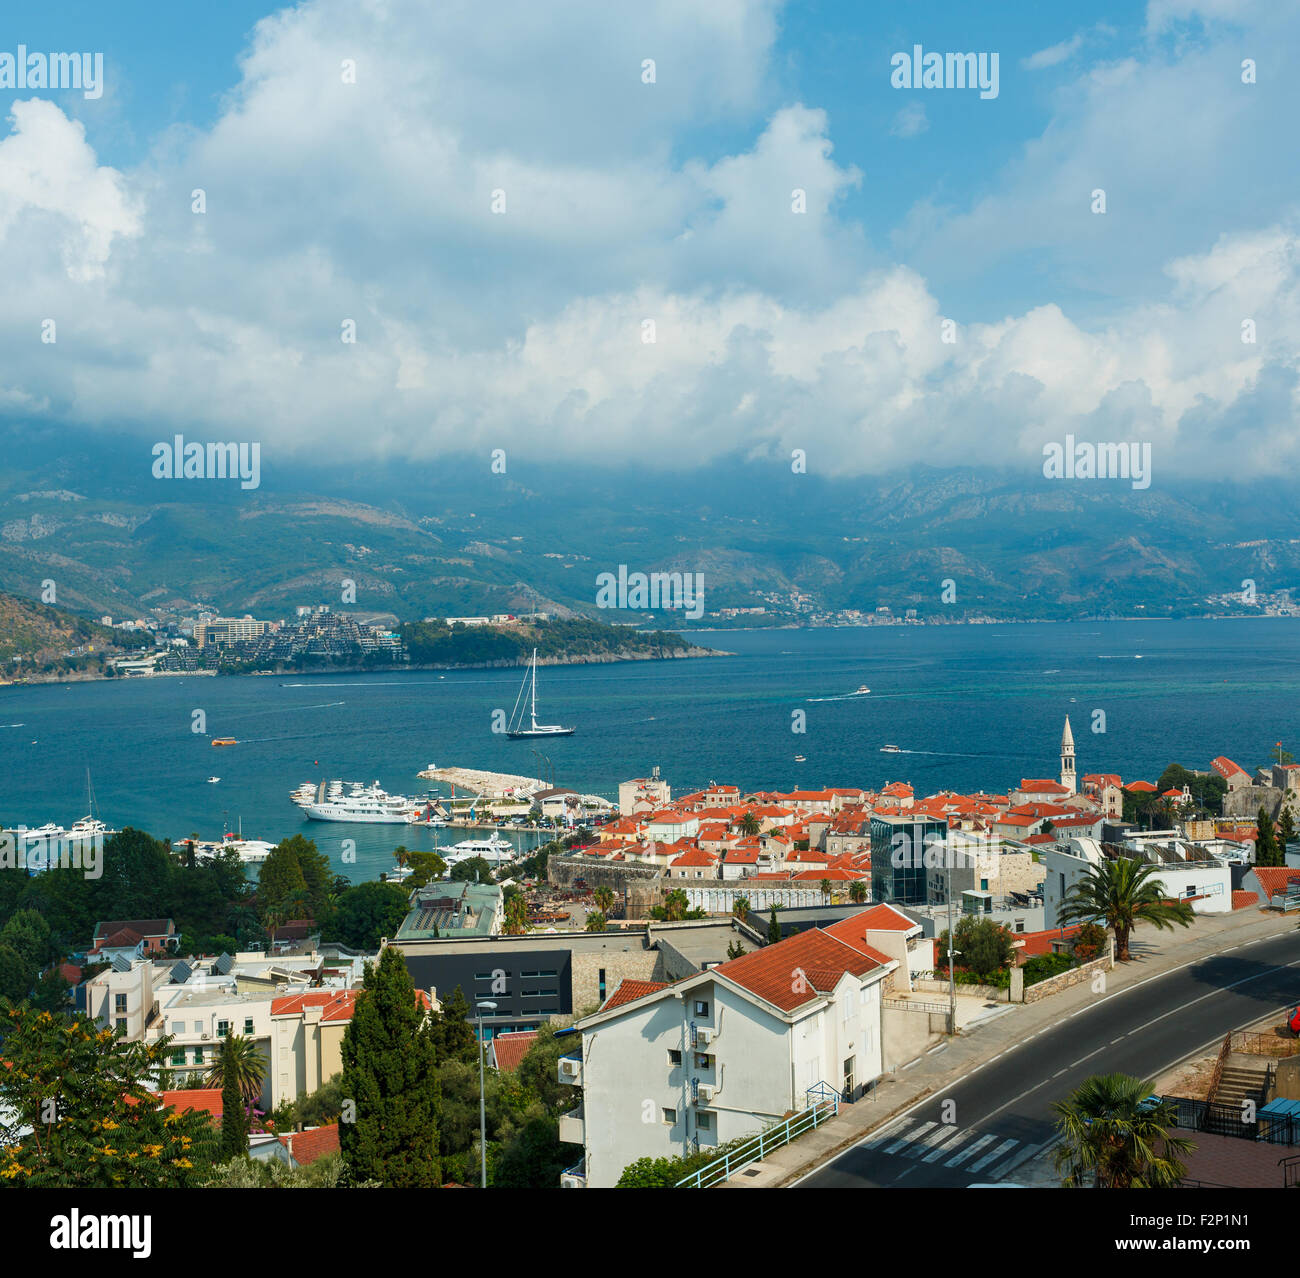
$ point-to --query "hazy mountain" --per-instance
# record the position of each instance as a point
(84, 511)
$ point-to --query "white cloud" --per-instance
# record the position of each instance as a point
(910, 121)
(774, 329)
(1054, 54)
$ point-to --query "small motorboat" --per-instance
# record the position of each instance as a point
(213, 780)
(890, 749)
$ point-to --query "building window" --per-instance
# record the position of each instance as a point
(602, 984)
(121, 1023)
(703, 1060)
(198, 1056)
(704, 1121)
(670, 1117)
(178, 1058)
(119, 1002)
(674, 1058)
(701, 1008)
(223, 1028)
(248, 1024)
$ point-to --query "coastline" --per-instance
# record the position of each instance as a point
(591, 659)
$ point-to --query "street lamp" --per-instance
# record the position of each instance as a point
(482, 1109)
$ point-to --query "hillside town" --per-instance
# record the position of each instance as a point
(717, 980)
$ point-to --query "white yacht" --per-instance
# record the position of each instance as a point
(369, 806)
(515, 729)
(494, 850)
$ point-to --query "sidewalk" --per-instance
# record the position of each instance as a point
(1153, 954)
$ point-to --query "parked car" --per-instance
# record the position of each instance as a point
(1294, 1023)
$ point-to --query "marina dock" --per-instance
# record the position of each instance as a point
(489, 785)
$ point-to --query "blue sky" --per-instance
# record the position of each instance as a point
(668, 202)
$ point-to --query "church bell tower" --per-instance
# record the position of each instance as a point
(1067, 759)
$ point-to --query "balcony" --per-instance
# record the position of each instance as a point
(574, 1177)
(569, 1070)
(573, 1127)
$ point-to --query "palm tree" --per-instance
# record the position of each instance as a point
(825, 886)
(604, 899)
(675, 906)
(740, 908)
(1114, 1134)
(1119, 892)
(595, 922)
(247, 1063)
(516, 915)
(749, 824)
(271, 920)
(857, 892)
(401, 856)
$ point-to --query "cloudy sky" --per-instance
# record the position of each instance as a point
(506, 209)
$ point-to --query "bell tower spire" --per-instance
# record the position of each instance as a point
(1067, 759)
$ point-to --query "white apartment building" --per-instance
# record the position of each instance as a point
(669, 1069)
(644, 794)
(1187, 873)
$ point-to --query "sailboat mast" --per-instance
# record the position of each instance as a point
(534, 687)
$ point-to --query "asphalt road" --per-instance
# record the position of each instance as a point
(985, 1125)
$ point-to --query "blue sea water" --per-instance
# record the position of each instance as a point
(972, 706)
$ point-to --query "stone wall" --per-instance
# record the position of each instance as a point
(923, 984)
(1075, 976)
(1247, 801)
(638, 887)
(633, 964)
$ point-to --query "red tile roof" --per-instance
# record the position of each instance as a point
(509, 1049)
(307, 1146)
(1273, 878)
(629, 991)
(337, 1005)
(1225, 767)
(1140, 787)
(1241, 900)
(185, 1100)
(789, 973)
(1033, 943)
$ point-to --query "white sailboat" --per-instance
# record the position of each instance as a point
(516, 729)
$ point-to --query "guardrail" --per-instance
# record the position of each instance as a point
(1216, 1078)
(751, 1151)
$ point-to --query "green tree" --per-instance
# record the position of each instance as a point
(425, 867)
(750, 824)
(472, 870)
(825, 888)
(595, 922)
(740, 908)
(1267, 851)
(1115, 1134)
(538, 1071)
(28, 933)
(94, 1122)
(1119, 892)
(17, 975)
(983, 946)
(452, 1033)
(368, 912)
(773, 928)
(857, 892)
(605, 900)
(390, 1073)
(234, 1122)
(734, 949)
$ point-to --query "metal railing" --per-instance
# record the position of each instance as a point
(779, 1133)
(1290, 1171)
(1216, 1078)
(1265, 1045)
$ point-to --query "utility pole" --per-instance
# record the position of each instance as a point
(482, 1107)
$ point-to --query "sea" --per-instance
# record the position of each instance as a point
(970, 707)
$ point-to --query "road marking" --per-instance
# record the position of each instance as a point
(968, 1151)
(947, 1146)
(943, 1047)
(1121, 1038)
(1107, 998)
(890, 1132)
(994, 1156)
(898, 1144)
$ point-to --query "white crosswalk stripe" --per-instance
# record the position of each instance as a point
(967, 1150)
(964, 1149)
(1005, 1148)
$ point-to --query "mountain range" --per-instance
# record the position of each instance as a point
(82, 509)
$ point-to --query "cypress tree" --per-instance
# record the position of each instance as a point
(234, 1122)
(453, 1035)
(773, 929)
(1266, 852)
(390, 1074)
